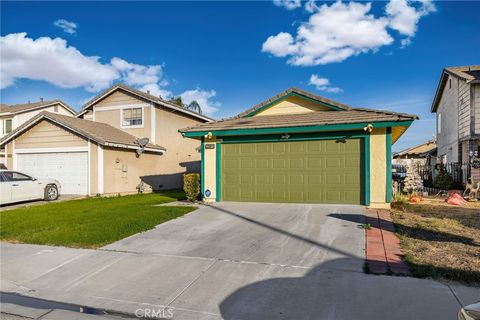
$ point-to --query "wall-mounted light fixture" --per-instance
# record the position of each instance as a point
(368, 128)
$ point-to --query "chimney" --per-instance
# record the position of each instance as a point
(41, 99)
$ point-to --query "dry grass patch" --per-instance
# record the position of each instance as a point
(440, 240)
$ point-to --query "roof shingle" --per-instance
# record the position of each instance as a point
(303, 119)
(101, 133)
(18, 108)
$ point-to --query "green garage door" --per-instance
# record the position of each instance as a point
(320, 171)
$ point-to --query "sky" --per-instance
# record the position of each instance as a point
(231, 55)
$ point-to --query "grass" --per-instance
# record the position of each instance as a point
(91, 222)
(440, 240)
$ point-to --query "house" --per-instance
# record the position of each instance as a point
(300, 147)
(100, 151)
(422, 153)
(457, 107)
(12, 116)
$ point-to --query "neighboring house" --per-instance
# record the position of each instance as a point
(96, 152)
(422, 153)
(303, 148)
(87, 157)
(146, 116)
(457, 108)
(12, 116)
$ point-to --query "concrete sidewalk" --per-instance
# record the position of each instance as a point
(199, 269)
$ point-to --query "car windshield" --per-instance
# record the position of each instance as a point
(15, 176)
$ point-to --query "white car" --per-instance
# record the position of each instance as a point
(16, 187)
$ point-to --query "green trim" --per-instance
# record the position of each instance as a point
(389, 165)
(202, 168)
(218, 177)
(290, 95)
(299, 129)
(366, 141)
(296, 137)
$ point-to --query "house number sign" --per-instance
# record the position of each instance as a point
(209, 145)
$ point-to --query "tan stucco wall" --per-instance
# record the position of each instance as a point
(210, 170)
(181, 155)
(123, 171)
(293, 105)
(118, 98)
(9, 149)
(48, 135)
(378, 167)
(93, 168)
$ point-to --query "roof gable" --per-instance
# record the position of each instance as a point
(470, 74)
(293, 101)
(144, 96)
(98, 132)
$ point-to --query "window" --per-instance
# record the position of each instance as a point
(132, 117)
(439, 123)
(7, 125)
(15, 176)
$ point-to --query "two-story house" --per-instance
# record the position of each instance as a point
(12, 116)
(120, 138)
(457, 107)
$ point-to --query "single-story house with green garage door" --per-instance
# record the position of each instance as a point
(298, 147)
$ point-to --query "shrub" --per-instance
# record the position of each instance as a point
(443, 180)
(191, 186)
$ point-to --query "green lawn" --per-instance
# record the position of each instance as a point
(91, 222)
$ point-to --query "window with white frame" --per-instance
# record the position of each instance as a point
(132, 117)
(7, 125)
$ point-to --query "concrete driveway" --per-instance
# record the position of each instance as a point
(234, 261)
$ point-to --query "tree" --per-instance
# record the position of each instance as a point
(194, 106)
(178, 101)
(413, 181)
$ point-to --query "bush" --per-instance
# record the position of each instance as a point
(443, 180)
(191, 186)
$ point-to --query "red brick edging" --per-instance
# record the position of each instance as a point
(383, 253)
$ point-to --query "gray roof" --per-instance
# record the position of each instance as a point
(145, 96)
(303, 119)
(101, 133)
(19, 108)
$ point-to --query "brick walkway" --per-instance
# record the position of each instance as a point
(383, 247)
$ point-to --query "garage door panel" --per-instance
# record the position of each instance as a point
(320, 171)
(70, 168)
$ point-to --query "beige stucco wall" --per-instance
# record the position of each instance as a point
(48, 135)
(93, 168)
(120, 100)
(181, 155)
(123, 171)
(293, 105)
(378, 167)
(210, 170)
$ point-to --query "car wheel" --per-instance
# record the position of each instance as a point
(51, 192)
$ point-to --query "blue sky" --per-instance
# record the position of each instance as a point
(386, 55)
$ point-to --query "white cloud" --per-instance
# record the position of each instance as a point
(67, 26)
(288, 4)
(204, 99)
(323, 84)
(53, 61)
(341, 30)
(404, 16)
(332, 34)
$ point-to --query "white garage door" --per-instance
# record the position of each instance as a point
(70, 168)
